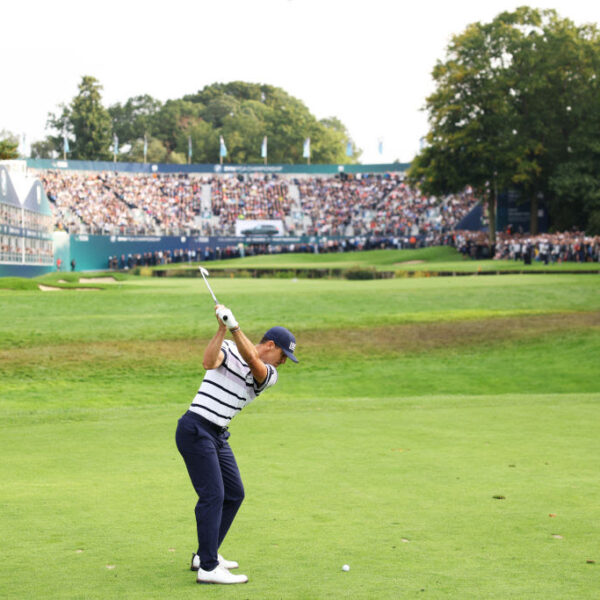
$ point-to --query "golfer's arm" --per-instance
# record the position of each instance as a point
(250, 355)
(213, 355)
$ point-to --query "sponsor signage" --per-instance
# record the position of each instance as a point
(226, 169)
(24, 233)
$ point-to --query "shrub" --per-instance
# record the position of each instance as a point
(358, 272)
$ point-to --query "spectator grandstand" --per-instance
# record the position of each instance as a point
(167, 204)
(26, 221)
(363, 211)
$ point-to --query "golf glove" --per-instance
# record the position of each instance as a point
(227, 317)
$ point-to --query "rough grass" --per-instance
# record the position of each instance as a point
(415, 403)
(156, 309)
(61, 281)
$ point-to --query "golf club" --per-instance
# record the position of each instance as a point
(205, 274)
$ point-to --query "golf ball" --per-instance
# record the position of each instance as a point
(346, 568)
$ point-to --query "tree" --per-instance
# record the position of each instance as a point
(333, 124)
(156, 153)
(243, 113)
(470, 141)
(246, 112)
(53, 145)
(44, 149)
(9, 146)
(502, 112)
(175, 117)
(135, 118)
(91, 123)
(86, 124)
(574, 183)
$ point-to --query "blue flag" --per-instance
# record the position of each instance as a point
(115, 144)
(65, 144)
(263, 148)
(190, 147)
(223, 148)
(306, 149)
(349, 148)
(380, 146)
(145, 147)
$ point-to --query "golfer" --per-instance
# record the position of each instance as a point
(236, 372)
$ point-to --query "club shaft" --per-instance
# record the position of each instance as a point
(210, 289)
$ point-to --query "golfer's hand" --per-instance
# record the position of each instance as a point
(226, 317)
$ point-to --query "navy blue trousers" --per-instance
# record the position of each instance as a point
(216, 478)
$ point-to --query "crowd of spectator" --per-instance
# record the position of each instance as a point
(152, 259)
(31, 251)
(234, 198)
(380, 211)
(88, 203)
(549, 247)
(378, 205)
(546, 248)
(173, 204)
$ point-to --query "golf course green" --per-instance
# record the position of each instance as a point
(439, 435)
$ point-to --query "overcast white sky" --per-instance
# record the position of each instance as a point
(367, 62)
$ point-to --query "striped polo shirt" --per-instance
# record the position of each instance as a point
(227, 389)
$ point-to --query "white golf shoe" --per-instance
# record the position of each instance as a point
(223, 562)
(219, 575)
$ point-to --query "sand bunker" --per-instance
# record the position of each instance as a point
(97, 280)
(50, 288)
(411, 262)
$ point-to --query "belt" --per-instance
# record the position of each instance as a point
(213, 426)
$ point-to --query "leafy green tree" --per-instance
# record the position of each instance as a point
(243, 113)
(246, 112)
(555, 94)
(91, 123)
(53, 145)
(471, 140)
(135, 118)
(9, 146)
(174, 117)
(156, 153)
(513, 101)
(44, 149)
(333, 124)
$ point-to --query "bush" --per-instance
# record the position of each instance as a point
(358, 272)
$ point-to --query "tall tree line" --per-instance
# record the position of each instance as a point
(242, 113)
(517, 106)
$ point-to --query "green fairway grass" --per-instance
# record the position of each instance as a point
(433, 259)
(429, 432)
